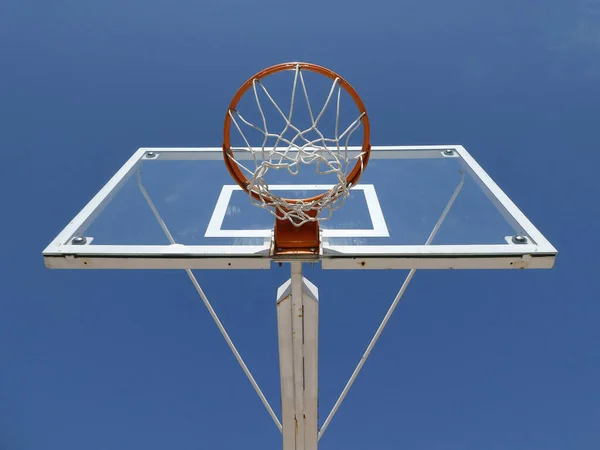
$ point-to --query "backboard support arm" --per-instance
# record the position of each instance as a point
(390, 311)
(210, 309)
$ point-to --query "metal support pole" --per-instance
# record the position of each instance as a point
(297, 325)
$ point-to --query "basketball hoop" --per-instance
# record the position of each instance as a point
(297, 219)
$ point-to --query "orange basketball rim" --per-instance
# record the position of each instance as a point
(290, 238)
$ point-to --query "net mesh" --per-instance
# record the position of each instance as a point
(328, 155)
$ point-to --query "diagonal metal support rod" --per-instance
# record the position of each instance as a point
(390, 311)
(211, 311)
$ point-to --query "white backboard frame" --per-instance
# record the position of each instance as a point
(536, 253)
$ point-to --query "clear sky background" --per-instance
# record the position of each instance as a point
(471, 360)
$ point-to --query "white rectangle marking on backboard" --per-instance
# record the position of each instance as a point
(214, 230)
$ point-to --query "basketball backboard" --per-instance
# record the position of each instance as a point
(422, 207)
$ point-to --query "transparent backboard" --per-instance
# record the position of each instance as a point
(415, 207)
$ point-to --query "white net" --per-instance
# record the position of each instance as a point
(292, 148)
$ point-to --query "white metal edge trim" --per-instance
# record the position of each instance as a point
(429, 250)
(258, 250)
(219, 150)
(125, 262)
(159, 250)
(449, 262)
(330, 263)
(373, 206)
(92, 206)
(216, 153)
(542, 243)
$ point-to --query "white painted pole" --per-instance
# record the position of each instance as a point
(286, 365)
(311, 364)
(297, 325)
(298, 352)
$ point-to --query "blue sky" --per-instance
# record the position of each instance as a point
(131, 359)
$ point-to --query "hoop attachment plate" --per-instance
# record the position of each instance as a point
(292, 240)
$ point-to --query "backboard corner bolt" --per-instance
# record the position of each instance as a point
(519, 239)
(79, 240)
(150, 154)
(448, 152)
